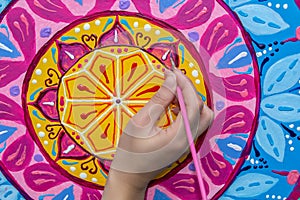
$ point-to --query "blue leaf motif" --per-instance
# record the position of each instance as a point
(251, 185)
(282, 107)
(260, 20)
(6, 132)
(282, 75)
(270, 137)
(231, 146)
(236, 57)
(66, 194)
(7, 49)
(8, 192)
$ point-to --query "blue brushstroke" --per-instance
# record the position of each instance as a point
(231, 59)
(6, 132)
(69, 163)
(7, 49)
(125, 23)
(160, 196)
(165, 4)
(179, 4)
(2, 148)
(170, 39)
(6, 29)
(243, 135)
(66, 194)
(202, 96)
(181, 47)
(45, 195)
(53, 152)
(103, 174)
(65, 38)
(249, 71)
(80, 2)
(53, 51)
(32, 96)
(231, 161)
(35, 113)
(237, 40)
(109, 21)
(229, 151)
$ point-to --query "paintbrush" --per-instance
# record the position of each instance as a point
(189, 136)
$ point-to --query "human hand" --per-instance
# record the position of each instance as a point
(144, 149)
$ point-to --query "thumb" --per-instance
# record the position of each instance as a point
(151, 112)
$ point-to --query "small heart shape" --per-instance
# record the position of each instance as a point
(141, 40)
(90, 40)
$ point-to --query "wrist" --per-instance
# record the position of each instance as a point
(123, 186)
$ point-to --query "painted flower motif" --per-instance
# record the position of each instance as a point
(216, 168)
(22, 27)
(18, 155)
(232, 146)
(92, 85)
(182, 14)
(184, 186)
(57, 11)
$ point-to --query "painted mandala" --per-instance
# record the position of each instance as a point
(102, 65)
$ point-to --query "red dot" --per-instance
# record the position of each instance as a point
(61, 109)
(112, 50)
(126, 49)
(81, 143)
(163, 69)
(153, 61)
(73, 69)
(119, 50)
(86, 60)
(77, 137)
(73, 133)
(79, 65)
(158, 66)
(112, 155)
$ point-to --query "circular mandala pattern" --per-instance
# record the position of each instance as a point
(97, 71)
(93, 87)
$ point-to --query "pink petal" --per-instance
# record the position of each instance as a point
(22, 27)
(102, 5)
(234, 88)
(184, 186)
(164, 51)
(10, 110)
(69, 54)
(192, 14)
(46, 103)
(10, 71)
(216, 168)
(238, 120)
(90, 194)
(117, 35)
(53, 10)
(221, 32)
(40, 177)
(18, 155)
(76, 151)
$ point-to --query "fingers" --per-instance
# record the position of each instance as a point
(152, 111)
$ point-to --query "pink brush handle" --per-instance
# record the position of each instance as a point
(191, 142)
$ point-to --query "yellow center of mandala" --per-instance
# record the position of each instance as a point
(103, 90)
